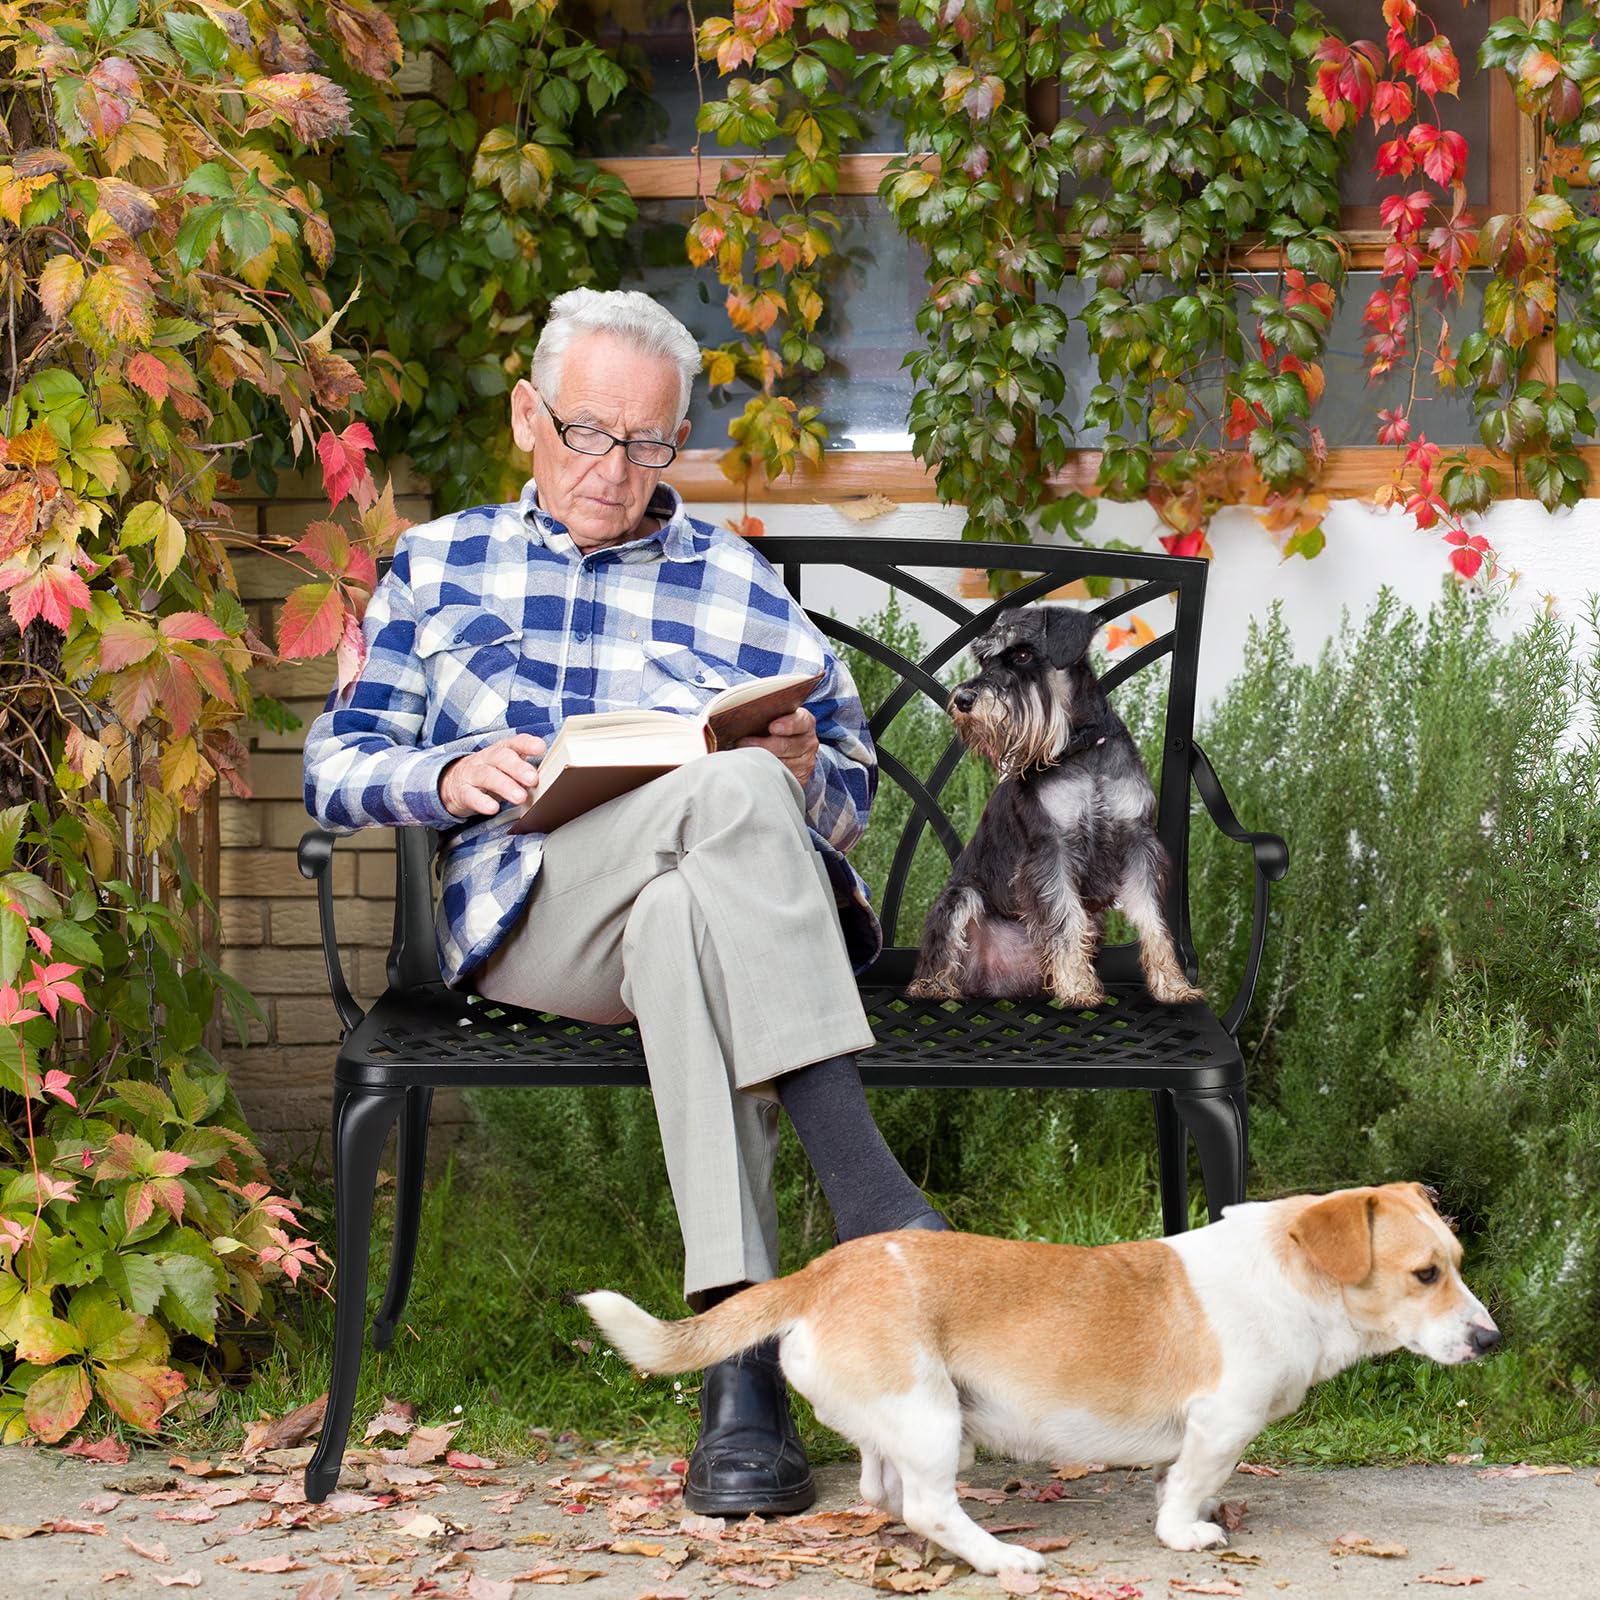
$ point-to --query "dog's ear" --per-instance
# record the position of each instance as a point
(1337, 1234)
(1067, 633)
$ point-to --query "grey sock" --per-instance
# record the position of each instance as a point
(866, 1188)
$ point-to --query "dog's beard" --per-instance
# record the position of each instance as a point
(1024, 734)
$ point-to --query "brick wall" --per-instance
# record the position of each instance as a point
(269, 933)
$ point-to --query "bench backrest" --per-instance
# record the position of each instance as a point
(1036, 571)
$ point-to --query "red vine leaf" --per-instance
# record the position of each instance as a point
(311, 620)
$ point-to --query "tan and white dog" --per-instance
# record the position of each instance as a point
(1174, 1352)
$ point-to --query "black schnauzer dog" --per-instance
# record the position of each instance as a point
(1069, 832)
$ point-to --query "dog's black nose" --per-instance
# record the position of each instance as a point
(1483, 1340)
(963, 699)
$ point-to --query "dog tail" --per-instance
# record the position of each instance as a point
(653, 1345)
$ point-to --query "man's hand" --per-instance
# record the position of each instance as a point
(500, 774)
(792, 738)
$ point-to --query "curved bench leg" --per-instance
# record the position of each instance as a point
(361, 1123)
(1172, 1163)
(1219, 1124)
(413, 1158)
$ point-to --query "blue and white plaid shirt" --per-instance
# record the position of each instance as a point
(491, 622)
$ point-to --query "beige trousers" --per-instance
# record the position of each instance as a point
(699, 906)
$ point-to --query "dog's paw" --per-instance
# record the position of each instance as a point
(1169, 989)
(1190, 1535)
(1014, 1558)
(932, 989)
(1079, 995)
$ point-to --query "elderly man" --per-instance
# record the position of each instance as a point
(714, 904)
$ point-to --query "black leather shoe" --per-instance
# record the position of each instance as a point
(748, 1457)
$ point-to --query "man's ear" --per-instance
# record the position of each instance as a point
(524, 409)
(1336, 1234)
(682, 433)
(1067, 633)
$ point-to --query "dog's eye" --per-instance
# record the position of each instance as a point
(1021, 656)
(1426, 1274)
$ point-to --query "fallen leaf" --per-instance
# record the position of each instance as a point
(151, 1552)
(1073, 1470)
(1358, 1544)
(1221, 1586)
(1523, 1470)
(836, 1524)
(1251, 1470)
(422, 1526)
(272, 1564)
(1458, 1460)
(867, 507)
(989, 1497)
(754, 1580)
(20, 1530)
(469, 1463)
(180, 1580)
(99, 1504)
(396, 1417)
(205, 1469)
(428, 1444)
(481, 1588)
(1238, 1558)
(114, 1573)
(664, 1594)
(279, 1433)
(329, 1586)
(111, 1451)
(1231, 1514)
(698, 1527)
(1014, 1582)
(634, 1547)
(1450, 1580)
(188, 1514)
(67, 1525)
(1045, 1543)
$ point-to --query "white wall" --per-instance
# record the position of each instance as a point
(1544, 558)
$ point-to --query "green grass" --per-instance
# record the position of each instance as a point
(491, 1329)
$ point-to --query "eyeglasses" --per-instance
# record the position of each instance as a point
(589, 441)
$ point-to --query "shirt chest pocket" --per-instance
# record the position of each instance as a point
(676, 679)
(469, 658)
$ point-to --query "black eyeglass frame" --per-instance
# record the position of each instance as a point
(564, 428)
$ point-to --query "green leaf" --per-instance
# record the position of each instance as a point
(211, 180)
(201, 43)
(191, 1297)
(197, 235)
(12, 821)
(144, 1100)
(246, 233)
(13, 944)
(135, 1280)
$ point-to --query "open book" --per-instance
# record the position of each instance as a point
(598, 755)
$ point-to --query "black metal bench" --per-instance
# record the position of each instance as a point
(421, 1036)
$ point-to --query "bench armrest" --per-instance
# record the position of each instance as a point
(1271, 862)
(316, 861)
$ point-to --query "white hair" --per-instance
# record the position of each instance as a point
(625, 313)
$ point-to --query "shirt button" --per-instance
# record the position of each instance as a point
(580, 636)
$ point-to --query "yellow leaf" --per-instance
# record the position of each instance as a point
(60, 284)
(171, 542)
(180, 764)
